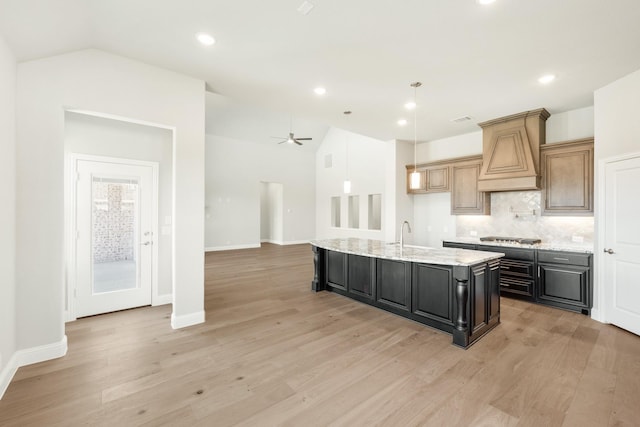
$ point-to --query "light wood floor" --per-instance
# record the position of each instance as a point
(274, 353)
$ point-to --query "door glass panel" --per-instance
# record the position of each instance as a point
(114, 230)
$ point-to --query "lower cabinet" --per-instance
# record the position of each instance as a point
(393, 283)
(564, 280)
(433, 292)
(361, 274)
(336, 270)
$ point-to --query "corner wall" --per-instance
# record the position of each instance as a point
(95, 81)
(235, 171)
(7, 216)
(617, 133)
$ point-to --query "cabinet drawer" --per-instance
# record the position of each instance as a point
(517, 286)
(564, 258)
(513, 253)
(509, 267)
(458, 245)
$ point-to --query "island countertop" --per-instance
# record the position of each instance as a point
(419, 254)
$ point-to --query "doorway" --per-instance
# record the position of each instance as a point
(621, 257)
(271, 212)
(116, 224)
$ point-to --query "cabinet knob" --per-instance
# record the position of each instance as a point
(609, 251)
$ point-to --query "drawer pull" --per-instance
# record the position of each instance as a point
(561, 259)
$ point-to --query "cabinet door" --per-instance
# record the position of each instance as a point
(465, 197)
(567, 178)
(422, 188)
(433, 292)
(336, 272)
(393, 283)
(438, 179)
(564, 284)
(361, 274)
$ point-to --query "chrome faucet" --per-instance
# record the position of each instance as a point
(402, 233)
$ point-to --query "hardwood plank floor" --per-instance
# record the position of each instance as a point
(272, 352)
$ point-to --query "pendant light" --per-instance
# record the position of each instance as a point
(414, 178)
(346, 185)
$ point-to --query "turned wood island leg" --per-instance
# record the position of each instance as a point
(461, 324)
(318, 284)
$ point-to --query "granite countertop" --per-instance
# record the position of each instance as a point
(553, 246)
(421, 254)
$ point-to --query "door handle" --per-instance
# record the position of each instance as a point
(147, 243)
(609, 251)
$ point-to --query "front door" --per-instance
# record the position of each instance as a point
(114, 250)
(622, 244)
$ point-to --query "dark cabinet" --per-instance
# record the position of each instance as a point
(393, 284)
(517, 271)
(336, 270)
(564, 280)
(361, 273)
(433, 292)
(458, 245)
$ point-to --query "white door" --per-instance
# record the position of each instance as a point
(622, 244)
(114, 249)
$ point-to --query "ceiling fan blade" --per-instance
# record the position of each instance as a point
(304, 139)
(279, 137)
(282, 142)
(296, 141)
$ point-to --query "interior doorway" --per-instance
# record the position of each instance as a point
(116, 221)
(621, 256)
(271, 212)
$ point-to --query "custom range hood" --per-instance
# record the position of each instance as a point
(511, 151)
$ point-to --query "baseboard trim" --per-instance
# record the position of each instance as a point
(163, 299)
(30, 356)
(231, 247)
(597, 315)
(186, 320)
(6, 375)
(286, 243)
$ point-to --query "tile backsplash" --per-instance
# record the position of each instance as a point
(517, 214)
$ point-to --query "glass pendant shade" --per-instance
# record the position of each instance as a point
(414, 182)
(346, 186)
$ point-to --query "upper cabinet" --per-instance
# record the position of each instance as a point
(567, 178)
(434, 178)
(466, 199)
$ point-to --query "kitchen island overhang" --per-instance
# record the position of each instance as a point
(454, 290)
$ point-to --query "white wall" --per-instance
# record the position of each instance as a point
(570, 125)
(617, 133)
(96, 81)
(99, 136)
(234, 172)
(7, 214)
(369, 174)
(399, 154)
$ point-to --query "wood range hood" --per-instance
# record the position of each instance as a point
(511, 151)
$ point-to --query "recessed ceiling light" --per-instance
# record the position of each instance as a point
(410, 105)
(485, 2)
(402, 122)
(546, 79)
(320, 91)
(205, 39)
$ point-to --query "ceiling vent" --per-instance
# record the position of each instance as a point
(305, 7)
(461, 119)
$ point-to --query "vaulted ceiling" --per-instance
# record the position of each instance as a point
(473, 60)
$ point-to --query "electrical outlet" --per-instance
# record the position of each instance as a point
(577, 239)
(473, 233)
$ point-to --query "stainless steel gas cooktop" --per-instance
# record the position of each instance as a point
(521, 240)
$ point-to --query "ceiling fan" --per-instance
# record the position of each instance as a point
(291, 139)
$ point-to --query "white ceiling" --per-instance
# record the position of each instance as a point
(480, 61)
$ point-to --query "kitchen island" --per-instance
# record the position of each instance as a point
(454, 290)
